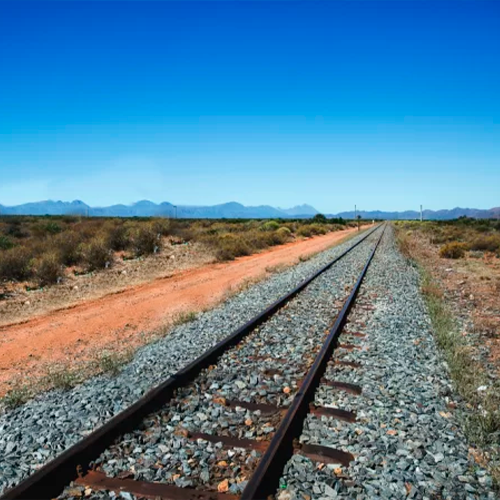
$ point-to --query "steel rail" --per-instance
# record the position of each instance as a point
(51, 479)
(265, 479)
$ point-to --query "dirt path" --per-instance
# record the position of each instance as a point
(72, 334)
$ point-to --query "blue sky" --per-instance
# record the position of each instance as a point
(381, 104)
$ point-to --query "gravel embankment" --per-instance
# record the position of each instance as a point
(405, 441)
(38, 431)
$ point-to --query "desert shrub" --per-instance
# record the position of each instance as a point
(48, 269)
(161, 226)
(52, 228)
(15, 264)
(231, 246)
(146, 240)
(41, 229)
(305, 231)
(318, 229)
(68, 246)
(117, 236)
(320, 219)
(311, 230)
(338, 220)
(97, 253)
(15, 230)
(284, 232)
(276, 237)
(69, 219)
(257, 240)
(182, 230)
(5, 242)
(271, 225)
(453, 250)
(486, 243)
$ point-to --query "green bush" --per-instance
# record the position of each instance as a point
(305, 231)
(453, 250)
(97, 254)
(68, 246)
(15, 264)
(320, 219)
(271, 225)
(146, 240)
(15, 230)
(52, 228)
(161, 226)
(284, 233)
(48, 269)
(489, 243)
(276, 237)
(318, 229)
(5, 243)
(231, 246)
(117, 235)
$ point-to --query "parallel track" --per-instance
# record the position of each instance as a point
(73, 464)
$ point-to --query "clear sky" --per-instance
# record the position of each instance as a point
(384, 104)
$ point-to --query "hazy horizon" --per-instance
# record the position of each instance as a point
(347, 209)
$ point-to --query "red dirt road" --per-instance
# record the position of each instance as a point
(116, 321)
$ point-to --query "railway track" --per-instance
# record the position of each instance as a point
(219, 407)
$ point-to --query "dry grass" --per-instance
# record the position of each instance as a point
(66, 376)
(278, 268)
(184, 317)
(487, 325)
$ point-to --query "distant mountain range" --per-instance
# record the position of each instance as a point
(231, 210)
(145, 208)
(454, 213)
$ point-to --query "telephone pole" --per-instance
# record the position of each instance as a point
(421, 214)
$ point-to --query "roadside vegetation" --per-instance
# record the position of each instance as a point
(458, 237)
(462, 239)
(42, 250)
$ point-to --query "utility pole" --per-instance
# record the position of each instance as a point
(421, 214)
(355, 213)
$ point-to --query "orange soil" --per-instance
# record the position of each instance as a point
(118, 320)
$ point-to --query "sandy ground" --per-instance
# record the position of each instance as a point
(73, 333)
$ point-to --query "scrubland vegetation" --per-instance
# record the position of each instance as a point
(459, 237)
(41, 250)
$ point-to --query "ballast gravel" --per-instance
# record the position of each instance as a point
(41, 429)
(405, 441)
